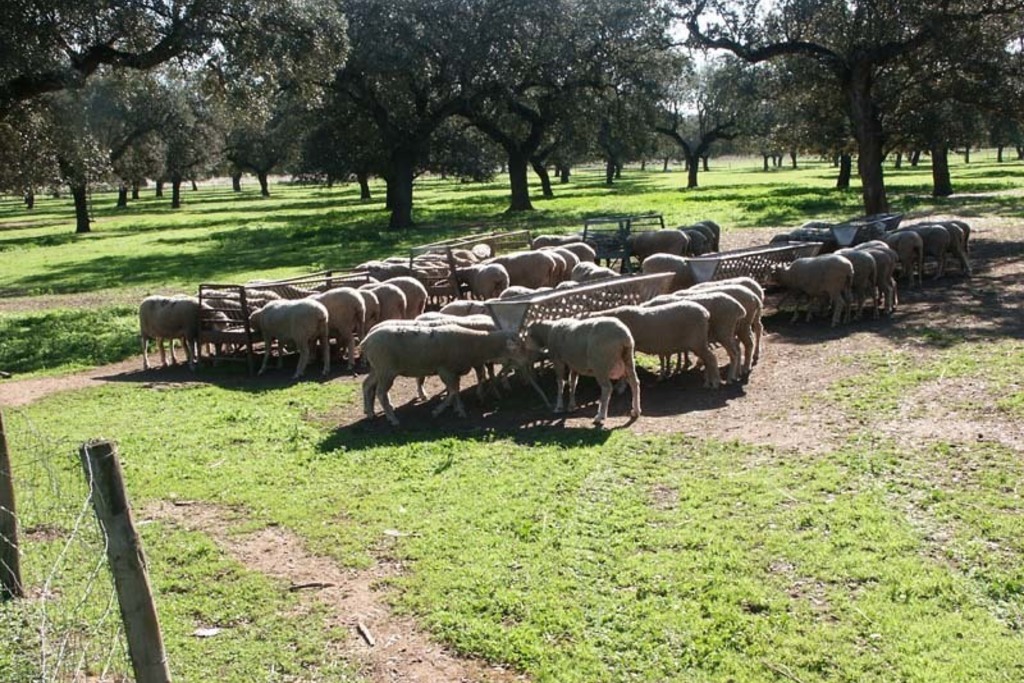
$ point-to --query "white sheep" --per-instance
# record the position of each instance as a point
(910, 248)
(485, 281)
(669, 263)
(449, 351)
(570, 258)
(674, 327)
(391, 299)
(729, 326)
(170, 318)
(886, 259)
(464, 307)
(713, 231)
(585, 271)
(699, 241)
(415, 294)
(529, 268)
(542, 241)
(346, 318)
(865, 279)
(596, 347)
(371, 306)
(583, 251)
(302, 322)
(827, 275)
(751, 297)
(936, 240)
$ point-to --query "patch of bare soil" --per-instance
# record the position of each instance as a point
(385, 647)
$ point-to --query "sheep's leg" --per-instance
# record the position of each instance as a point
(837, 307)
(174, 358)
(712, 379)
(758, 328)
(384, 385)
(303, 359)
(163, 353)
(574, 378)
(145, 352)
(325, 341)
(266, 355)
(420, 394)
(732, 347)
(633, 381)
(559, 386)
(746, 338)
(190, 353)
(369, 387)
(480, 372)
(662, 372)
(606, 395)
(451, 383)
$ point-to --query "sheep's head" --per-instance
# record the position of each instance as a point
(256, 320)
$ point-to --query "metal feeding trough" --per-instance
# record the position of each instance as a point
(518, 313)
(755, 262)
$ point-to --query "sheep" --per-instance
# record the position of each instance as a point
(415, 294)
(865, 273)
(516, 290)
(449, 351)
(936, 241)
(828, 275)
(391, 299)
(729, 326)
(583, 251)
(528, 268)
(570, 258)
(886, 260)
(485, 281)
(371, 306)
(699, 244)
(668, 263)
(302, 321)
(543, 241)
(585, 271)
(715, 233)
(649, 242)
(385, 270)
(597, 347)
(750, 295)
(957, 244)
(464, 307)
(674, 327)
(170, 318)
(909, 246)
(561, 272)
(346, 318)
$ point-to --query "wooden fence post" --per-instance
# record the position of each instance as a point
(127, 563)
(10, 565)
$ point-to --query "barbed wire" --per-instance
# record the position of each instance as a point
(68, 625)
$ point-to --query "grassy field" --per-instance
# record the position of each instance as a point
(567, 554)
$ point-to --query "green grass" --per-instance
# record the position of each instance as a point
(570, 554)
(580, 555)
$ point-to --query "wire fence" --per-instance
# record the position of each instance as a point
(67, 627)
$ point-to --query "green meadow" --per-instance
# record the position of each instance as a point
(566, 554)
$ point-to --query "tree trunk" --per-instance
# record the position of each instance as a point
(618, 171)
(692, 168)
(609, 172)
(236, 182)
(364, 185)
(792, 158)
(175, 191)
(643, 164)
(764, 158)
(867, 126)
(30, 199)
(1020, 152)
(517, 176)
(264, 189)
(403, 164)
(541, 170)
(135, 190)
(195, 188)
(999, 154)
(564, 173)
(967, 154)
(704, 162)
(899, 160)
(664, 166)
(845, 171)
(160, 188)
(915, 158)
(78, 193)
(122, 196)
(942, 186)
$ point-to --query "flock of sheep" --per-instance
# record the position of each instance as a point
(398, 337)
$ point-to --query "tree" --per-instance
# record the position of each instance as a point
(61, 43)
(702, 108)
(856, 40)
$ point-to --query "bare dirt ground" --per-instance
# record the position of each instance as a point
(780, 406)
